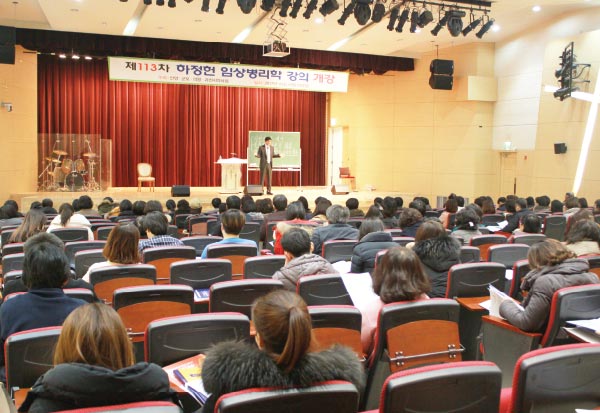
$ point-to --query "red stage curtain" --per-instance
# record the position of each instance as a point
(181, 130)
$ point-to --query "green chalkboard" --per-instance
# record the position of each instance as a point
(286, 143)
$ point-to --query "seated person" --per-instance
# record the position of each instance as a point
(584, 238)
(352, 205)
(282, 357)
(67, 218)
(530, 224)
(45, 271)
(156, 225)
(389, 208)
(410, 221)
(232, 222)
(522, 211)
(553, 267)
(466, 225)
(32, 224)
(298, 259)
(337, 228)
(294, 216)
(400, 277)
(372, 239)
(94, 366)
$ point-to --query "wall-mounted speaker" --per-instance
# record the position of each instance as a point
(560, 148)
(340, 189)
(8, 39)
(441, 74)
(441, 82)
(253, 190)
(180, 190)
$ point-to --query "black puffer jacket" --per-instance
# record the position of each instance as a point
(542, 284)
(230, 367)
(364, 253)
(437, 256)
(74, 385)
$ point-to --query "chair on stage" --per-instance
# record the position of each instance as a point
(163, 257)
(346, 175)
(144, 171)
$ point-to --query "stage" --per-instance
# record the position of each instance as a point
(205, 195)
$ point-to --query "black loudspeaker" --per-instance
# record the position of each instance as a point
(180, 190)
(340, 189)
(442, 82)
(442, 67)
(253, 190)
(560, 148)
(7, 45)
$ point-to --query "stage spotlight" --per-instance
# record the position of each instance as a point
(402, 20)
(484, 29)
(425, 18)
(312, 5)
(362, 11)
(246, 6)
(148, 2)
(329, 7)
(160, 2)
(346, 13)
(205, 6)
(267, 5)
(378, 12)
(221, 7)
(172, 3)
(440, 24)
(455, 23)
(296, 8)
(285, 5)
(414, 20)
(471, 26)
(393, 16)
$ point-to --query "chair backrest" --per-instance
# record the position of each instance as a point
(12, 275)
(138, 306)
(180, 220)
(484, 242)
(263, 267)
(28, 355)
(528, 239)
(594, 261)
(507, 254)
(236, 253)
(251, 231)
(473, 279)
(106, 280)
(136, 407)
(169, 340)
(75, 246)
(199, 242)
(571, 303)
(71, 234)
(469, 254)
(5, 235)
(336, 324)
(554, 227)
(557, 379)
(200, 274)
(80, 293)
(520, 270)
(326, 397)
(355, 222)
(84, 259)
(463, 387)
(492, 219)
(12, 262)
(394, 232)
(338, 250)
(451, 220)
(163, 257)
(144, 169)
(323, 289)
(197, 224)
(238, 296)
(13, 248)
(104, 223)
(402, 241)
(344, 171)
(103, 232)
(433, 315)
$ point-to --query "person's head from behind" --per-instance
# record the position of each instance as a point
(125, 205)
(321, 208)
(521, 204)
(389, 207)
(47, 203)
(583, 230)
(153, 206)
(155, 223)
(370, 225)
(556, 206)
(475, 208)
(122, 245)
(232, 221)
(409, 217)
(170, 205)
(530, 202)
(531, 224)
(467, 219)
(451, 206)
(429, 229)
(399, 202)
(460, 201)
(295, 243)
(549, 252)
(215, 202)
(233, 202)
(400, 276)
(33, 223)
(283, 327)
(583, 203)
(280, 202)
(488, 206)
(352, 203)
(295, 210)
(65, 211)
(419, 206)
(35, 205)
(304, 202)
(94, 334)
(183, 205)
(542, 201)
(337, 214)
(511, 206)
(572, 202)
(138, 208)
(85, 202)
(501, 200)
(248, 205)
(582, 215)
(45, 264)
(373, 212)
(597, 206)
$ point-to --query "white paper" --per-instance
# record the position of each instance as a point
(360, 288)
(342, 267)
(508, 275)
(496, 298)
(486, 304)
(593, 324)
(502, 224)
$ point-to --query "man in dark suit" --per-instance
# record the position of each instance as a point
(266, 153)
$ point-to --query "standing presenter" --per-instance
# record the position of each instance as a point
(266, 153)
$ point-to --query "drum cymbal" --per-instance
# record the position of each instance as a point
(59, 152)
(50, 159)
(89, 155)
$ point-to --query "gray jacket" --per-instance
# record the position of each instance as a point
(542, 284)
(308, 264)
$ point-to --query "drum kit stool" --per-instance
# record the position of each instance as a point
(66, 174)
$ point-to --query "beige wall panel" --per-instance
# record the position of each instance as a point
(373, 115)
(550, 165)
(411, 137)
(462, 138)
(416, 182)
(414, 114)
(518, 112)
(554, 187)
(570, 110)
(465, 113)
(521, 136)
(464, 162)
(413, 160)
(525, 86)
(570, 133)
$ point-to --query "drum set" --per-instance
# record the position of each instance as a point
(65, 174)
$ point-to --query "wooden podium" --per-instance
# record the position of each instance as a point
(231, 175)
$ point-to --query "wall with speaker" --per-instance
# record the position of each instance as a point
(8, 38)
(442, 72)
(560, 147)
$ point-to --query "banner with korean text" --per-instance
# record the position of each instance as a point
(218, 74)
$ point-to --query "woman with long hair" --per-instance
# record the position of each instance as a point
(94, 366)
(67, 218)
(32, 224)
(584, 238)
(283, 356)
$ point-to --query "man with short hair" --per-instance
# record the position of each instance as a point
(515, 220)
(299, 260)
(48, 206)
(86, 206)
(266, 153)
(156, 226)
(352, 205)
(232, 222)
(337, 216)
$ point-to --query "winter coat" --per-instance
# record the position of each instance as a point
(307, 264)
(75, 385)
(411, 230)
(582, 248)
(364, 253)
(231, 367)
(437, 256)
(541, 285)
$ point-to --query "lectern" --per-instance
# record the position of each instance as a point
(231, 175)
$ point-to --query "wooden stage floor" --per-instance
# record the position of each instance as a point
(204, 194)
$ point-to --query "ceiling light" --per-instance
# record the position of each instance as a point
(319, 20)
(362, 11)
(220, 7)
(147, 2)
(471, 26)
(285, 5)
(312, 5)
(496, 28)
(536, 8)
(440, 24)
(346, 13)
(246, 6)
(425, 18)
(329, 7)
(160, 2)
(484, 29)
(402, 20)
(393, 16)
(414, 20)
(296, 8)
(62, 56)
(88, 58)
(172, 3)
(455, 24)
(205, 6)
(378, 12)
(75, 57)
